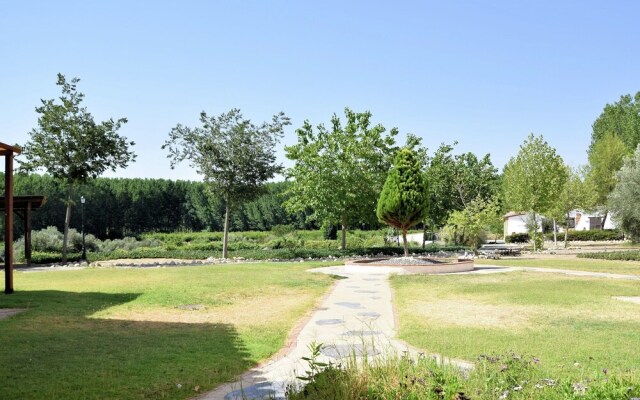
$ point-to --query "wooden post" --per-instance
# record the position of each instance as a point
(8, 223)
(27, 233)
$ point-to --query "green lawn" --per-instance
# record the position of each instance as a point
(581, 264)
(147, 332)
(559, 319)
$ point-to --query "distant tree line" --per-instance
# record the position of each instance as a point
(117, 207)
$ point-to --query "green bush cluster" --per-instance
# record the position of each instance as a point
(517, 238)
(630, 255)
(591, 235)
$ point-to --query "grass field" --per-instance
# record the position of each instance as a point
(147, 333)
(581, 264)
(559, 319)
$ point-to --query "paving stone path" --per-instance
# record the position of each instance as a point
(355, 318)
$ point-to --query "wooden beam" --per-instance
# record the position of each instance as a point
(13, 149)
(8, 224)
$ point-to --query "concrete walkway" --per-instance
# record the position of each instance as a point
(355, 318)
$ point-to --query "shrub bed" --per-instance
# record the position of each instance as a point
(630, 255)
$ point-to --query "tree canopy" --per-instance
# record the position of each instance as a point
(403, 201)
(71, 147)
(623, 200)
(533, 180)
(457, 180)
(576, 194)
(605, 160)
(234, 156)
(339, 171)
(621, 119)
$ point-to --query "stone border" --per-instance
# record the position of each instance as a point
(443, 268)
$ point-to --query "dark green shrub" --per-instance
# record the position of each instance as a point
(518, 238)
(329, 231)
(38, 257)
(591, 235)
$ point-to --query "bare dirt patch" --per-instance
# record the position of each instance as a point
(7, 312)
(469, 313)
(630, 299)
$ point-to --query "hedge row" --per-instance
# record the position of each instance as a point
(592, 235)
(630, 255)
(260, 254)
(573, 236)
(517, 238)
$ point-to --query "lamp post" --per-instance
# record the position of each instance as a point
(84, 249)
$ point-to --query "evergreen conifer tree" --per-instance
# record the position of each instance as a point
(403, 201)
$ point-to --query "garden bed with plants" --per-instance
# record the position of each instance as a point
(283, 244)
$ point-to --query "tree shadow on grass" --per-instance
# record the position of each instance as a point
(54, 350)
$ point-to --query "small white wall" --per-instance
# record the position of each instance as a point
(515, 224)
(609, 223)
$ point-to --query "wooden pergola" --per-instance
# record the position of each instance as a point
(8, 152)
(23, 205)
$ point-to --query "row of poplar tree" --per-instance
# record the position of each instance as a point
(115, 207)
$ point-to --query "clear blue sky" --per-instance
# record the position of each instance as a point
(484, 73)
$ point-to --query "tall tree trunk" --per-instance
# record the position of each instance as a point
(404, 241)
(566, 231)
(67, 220)
(424, 234)
(535, 231)
(555, 233)
(344, 232)
(225, 240)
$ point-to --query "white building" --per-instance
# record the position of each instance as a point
(516, 222)
(582, 221)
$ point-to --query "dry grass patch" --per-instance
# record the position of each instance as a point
(560, 319)
(248, 311)
(463, 312)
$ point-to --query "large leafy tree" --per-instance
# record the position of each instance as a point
(470, 225)
(605, 160)
(624, 197)
(403, 201)
(576, 194)
(457, 180)
(235, 156)
(339, 171)
(70, 146)
(621, 119)
(533, 180)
